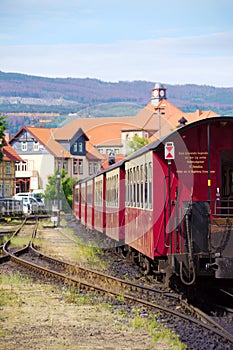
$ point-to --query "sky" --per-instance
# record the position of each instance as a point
(169, 41)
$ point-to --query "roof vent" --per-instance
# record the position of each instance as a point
(111, 158)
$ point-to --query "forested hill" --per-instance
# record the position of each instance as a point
(20, 92)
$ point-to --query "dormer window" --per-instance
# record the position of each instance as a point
(80, 147)
(75, 147)
(36, 146)
(24, 146)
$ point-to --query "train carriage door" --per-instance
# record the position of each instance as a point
(227, 175)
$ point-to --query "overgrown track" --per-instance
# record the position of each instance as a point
(187, 319)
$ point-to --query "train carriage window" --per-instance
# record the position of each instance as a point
(76, 195)
(127, 188)
(83, 195)
(134, 187)
(138, 187)
(130, 188)
(117, 191)
(150, 185)
(141, 186)
(112, 191)
(107, 191)
(99, 193)
(89, 194)
(145, 187)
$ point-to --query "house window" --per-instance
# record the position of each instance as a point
(36, 146)
(17, 166)
(24, 146)
(8, 168)
(24, 166)
(90, 168)
(80, 166)
(75, 147)
(80, 147)
(96, 167)
(7, 190)
(1, 190)
(65, 165)
(75, 166)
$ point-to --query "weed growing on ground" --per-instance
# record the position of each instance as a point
(158, 332)
(20, 242)
(8, 295)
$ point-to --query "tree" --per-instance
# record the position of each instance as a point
(137, 143)
(3, 125)
(65, 186)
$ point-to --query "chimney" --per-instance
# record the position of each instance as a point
(182, 122)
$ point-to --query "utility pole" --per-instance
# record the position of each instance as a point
(58, 197)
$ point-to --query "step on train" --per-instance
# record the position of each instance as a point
(169, 206)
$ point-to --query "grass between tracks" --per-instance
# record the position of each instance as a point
(81, 252)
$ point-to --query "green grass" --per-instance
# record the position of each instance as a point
(8, 296)
(20, 242)
(158, 332)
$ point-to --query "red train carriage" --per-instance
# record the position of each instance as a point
(174, 227)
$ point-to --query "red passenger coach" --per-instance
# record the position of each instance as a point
(170, 203)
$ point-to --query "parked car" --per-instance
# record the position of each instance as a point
(37, 196)
(30, 204)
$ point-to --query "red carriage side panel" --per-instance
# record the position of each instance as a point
(76, 201)
(83, 210)
(90, 204)
(99, 203)
(115, 204)
(139, 220)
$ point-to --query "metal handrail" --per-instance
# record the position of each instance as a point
(223, 208)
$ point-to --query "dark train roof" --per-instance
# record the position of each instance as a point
(158, 143)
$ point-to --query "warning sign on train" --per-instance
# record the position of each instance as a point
(169, 150)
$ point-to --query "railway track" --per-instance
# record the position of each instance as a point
(167, 304)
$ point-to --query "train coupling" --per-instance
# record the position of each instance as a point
(222, 267)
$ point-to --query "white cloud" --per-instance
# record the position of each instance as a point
(200, 60)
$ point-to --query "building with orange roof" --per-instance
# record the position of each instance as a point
(7, 170)
(41, 154)
(113, 135)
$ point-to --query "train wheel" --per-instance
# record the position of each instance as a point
(132, 256)
(145, 266)
(123, 251)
